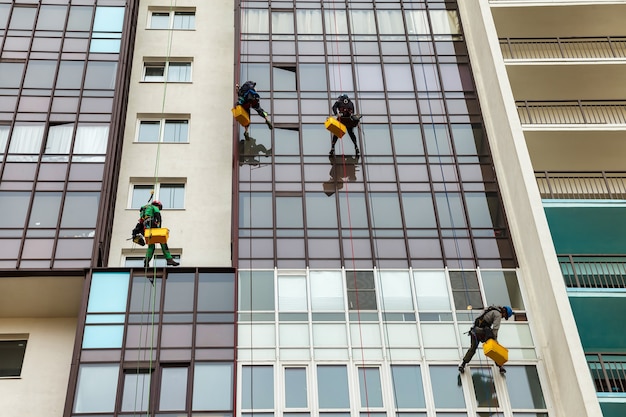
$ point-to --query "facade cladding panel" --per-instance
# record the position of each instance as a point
(62, 92)
(360, 273)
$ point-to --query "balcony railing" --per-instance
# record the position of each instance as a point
(608, 371)
(576, 112)
(593, 271)
(563, 48)
(602, 185)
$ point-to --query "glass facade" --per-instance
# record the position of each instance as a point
(59, 91)
(360, 274)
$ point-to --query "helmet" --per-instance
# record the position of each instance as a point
(509, 312)
(158, 204)
(343, 97)
(251, 83)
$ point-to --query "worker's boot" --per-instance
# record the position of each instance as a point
(502, 370)
(462, 367)
(269, 124)
(172, 262)
(146, 263)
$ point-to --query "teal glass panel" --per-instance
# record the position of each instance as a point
(108, 293)
(105, 46)
(597, 321)
(96, 388)
(103, 337)
(212, 386)
(109, 19)
(104, 318)
(609, 409)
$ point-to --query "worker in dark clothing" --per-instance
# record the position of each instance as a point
(249, 98)
(151, 215)
(344, 110)
(485, 327)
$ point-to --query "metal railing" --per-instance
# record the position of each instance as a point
(601, 185)
(577, 112)
(593, 271)
(608, 371)
(563, 48)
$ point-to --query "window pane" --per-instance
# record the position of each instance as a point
(340, 76)
(385, 210)
(321, 211)
(159, 20)
(417, 22)
(18, 201)
(96, 388)
(154, 72)
(103, 337)
(172, 196)
(141, 195)
(51, 17)
(59, 139)
(257, 387)
(450, 210)
(80, 18)
(398, 77)
(332, 386)
(361, 292)
(255, 210)
(445, 22)
(309, 21)
(40, 74)
(176, 131)
(313, 77)
(370, 388)
(109, 19)
(216, 292)
(11, 357)
(282, 23)
(26, 139)
(80, 210)
(465, 290)
(431, 290)
(108, 292)
(407, 386)
(254, 21)
(179, 290)
(284, 78)
(173, 389)
(395, 291)
(256, 290)
(23, 18)
(326, 291)
(45, 211)
(362, 22)
(179, 71)
(100, 75)
(370, 77)
(11, 74)
(4, 15)
(335, 22)
(390, 22)
(136, 392)
(295, 388)
(91, 139)
(502, 288)
(212, 386)
(292, 293)
(421, 203)
(446, 394)
(524, 387)
(484, 387)
(149, 131)
(184, 20)
(289, 212)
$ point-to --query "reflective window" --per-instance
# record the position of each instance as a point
(165, 130)
(255, 210)
(295, 388)
(421, 203)
(184, 20)
(179, 290)
(284, 78)
(23, 18)
(26, 139)
(100, 75)
(362, 22)
(96, 388)
(80, 209)
(332, 386)
(256, 290)
(431, 290)
(524, 387)
(51, 17)
(18, 201)
(445, 393)
(40, 74)
(395, 291)
(80, 18)
(326, 291)
(212, 386)
(103, 337)
(282, 23)
(11, 74)
(11, 357)
(408, 389)
(484, 388)
(465, 290)
(289, 212)
(108, 292)
(309, 22)
(4, 15)
(215, 292)
(136, 392)
(173, 393)
(257, 387)
(172, 196)
(370, 388)
(502, 288)
(292, 294)
(45, 210)
(445, 22)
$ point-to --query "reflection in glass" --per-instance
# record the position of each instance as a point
(80, 209)
(465, 290)
(257, 387)
(502, 288)
(45, 210)
(484, 387)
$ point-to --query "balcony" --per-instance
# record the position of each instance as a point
(593, 271)
(566, 48)
(608, 371)
(572, 112)
(600, 185)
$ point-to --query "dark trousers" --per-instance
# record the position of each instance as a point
(352, 136)
(477, 335)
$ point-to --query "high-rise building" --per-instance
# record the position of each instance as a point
(337, 284)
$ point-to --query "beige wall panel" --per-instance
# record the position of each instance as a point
(568, 388)
(203, 229)
(41, 389)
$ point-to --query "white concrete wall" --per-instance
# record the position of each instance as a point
(41, 390)
(569, 390)
(202, 231)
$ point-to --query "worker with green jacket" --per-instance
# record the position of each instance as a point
(151, 215)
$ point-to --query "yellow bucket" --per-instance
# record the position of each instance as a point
(496, 351)
(335, 127)
(241, 115)
(157, 235)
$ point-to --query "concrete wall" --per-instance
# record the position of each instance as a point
(42, 387)
(202, 231)
(568, 386)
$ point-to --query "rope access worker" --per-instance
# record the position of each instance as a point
(344, 110)
(486, 327)
(151, 215)
(249, 98)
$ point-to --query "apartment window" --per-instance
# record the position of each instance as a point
(138, 261)
(215, 378)
(370, 388)
(179, 20)
(465, 290)
(172, 196)
(136, 390)
(11, 357)
(164, 130)
(257, 387)
(170, 71)
(295, 388)
(173, 393)
(332, 387)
